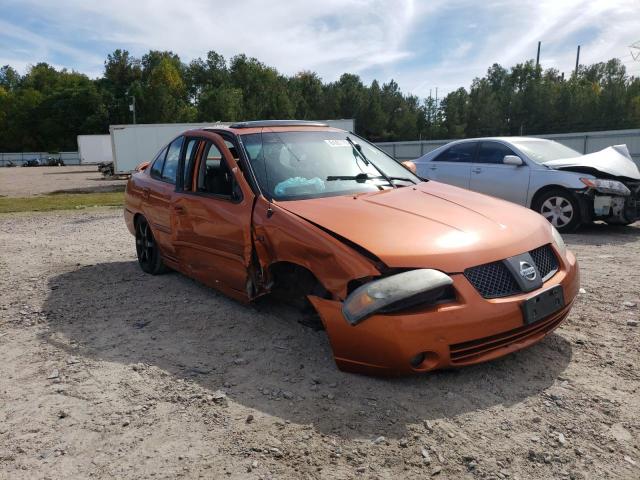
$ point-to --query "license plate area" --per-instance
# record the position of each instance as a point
(542, 305)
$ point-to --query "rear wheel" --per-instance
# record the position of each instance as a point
(561, 208)
(147, 249)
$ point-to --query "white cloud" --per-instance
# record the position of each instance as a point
(611, 26)
(372, 37)
(330, 36)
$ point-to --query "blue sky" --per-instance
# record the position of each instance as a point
(420, 44)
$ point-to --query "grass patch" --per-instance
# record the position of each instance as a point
(61, 201)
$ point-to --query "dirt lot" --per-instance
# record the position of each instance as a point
(25, 182)
(106, 372)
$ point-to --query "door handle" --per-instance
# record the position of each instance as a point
(476, 170)
(432, 167)
(145, 193)
(179, 210)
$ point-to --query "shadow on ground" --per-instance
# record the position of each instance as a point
(600, 233)
(118, 314)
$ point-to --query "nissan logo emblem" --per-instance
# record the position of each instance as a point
(527, 271)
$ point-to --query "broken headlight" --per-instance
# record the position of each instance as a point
(607, 186)
(403, 290)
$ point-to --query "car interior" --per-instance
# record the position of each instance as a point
(214, 176)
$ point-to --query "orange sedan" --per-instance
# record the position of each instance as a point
(406, 275)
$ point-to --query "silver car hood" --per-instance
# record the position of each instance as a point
(614, 161)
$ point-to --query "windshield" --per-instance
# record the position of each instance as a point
(545, 151)
(310, 164)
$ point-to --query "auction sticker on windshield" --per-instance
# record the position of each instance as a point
(337, 143)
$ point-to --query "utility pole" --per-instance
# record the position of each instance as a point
(538, 56)
(577, 60)
(132, 108)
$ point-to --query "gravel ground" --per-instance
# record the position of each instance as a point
(25, 182)
(106, 372)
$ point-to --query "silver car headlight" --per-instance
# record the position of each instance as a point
(607, 186)
(557, 239)
(400, 291)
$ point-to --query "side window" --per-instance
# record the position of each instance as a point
(189, 162)
(214, 176)
(253, 146)
(170, 168)
(462, 152)
(158, 163)
(232, 149)
(493, 152)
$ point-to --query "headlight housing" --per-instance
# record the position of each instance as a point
(557, 239)
(400, 291)
(607, 186)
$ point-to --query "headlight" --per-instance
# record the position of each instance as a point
(607, 186)
(403, 290)
(557, 239)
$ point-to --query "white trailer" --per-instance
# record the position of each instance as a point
(134, 144)
(94, 149)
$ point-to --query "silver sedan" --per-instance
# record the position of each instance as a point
(563, 185)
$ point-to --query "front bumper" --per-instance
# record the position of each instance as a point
(469, 330)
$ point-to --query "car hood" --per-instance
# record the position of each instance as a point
(431, 225)
(612, 161)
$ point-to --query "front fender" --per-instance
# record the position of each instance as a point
(281, 236)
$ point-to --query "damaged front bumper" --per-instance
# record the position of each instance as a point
(465, 331)
(612, 208)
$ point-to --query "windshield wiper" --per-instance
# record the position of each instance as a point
(363, 177)
(358, 149)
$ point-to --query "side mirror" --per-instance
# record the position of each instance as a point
(409, 165)
(512, 160)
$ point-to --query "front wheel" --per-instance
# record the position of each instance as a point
(561, 208)
(147, 249)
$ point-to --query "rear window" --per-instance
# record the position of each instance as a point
(158, 163)
(170, 168)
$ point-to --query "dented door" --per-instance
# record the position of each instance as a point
(213, 229)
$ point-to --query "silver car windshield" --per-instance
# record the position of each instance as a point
(545, 151)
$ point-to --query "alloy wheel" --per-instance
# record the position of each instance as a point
(144, 243)
(558, 210)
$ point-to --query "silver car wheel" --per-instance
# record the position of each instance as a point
(558, 210)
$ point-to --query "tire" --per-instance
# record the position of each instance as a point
(561, 208)
(147, 249)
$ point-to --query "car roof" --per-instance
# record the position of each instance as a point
(258, 126)
(499, 139)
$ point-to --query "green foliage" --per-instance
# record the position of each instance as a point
(47, 108)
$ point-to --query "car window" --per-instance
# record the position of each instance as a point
(492, 152)
(170, 168)
(232, 148)
(462, 152)
(189, 161)
(214, 176)
(297, 165)
(158, 163)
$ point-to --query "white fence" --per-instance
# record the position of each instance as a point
(69, 158)
(585, 142)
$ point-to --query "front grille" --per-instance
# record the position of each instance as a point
(545, 260)
(494, 280)
(483, 348)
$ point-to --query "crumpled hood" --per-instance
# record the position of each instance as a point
(615, 161)
(431, 225)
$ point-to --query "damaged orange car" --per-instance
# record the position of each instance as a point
(407, 275)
